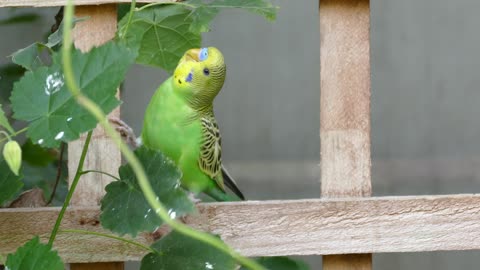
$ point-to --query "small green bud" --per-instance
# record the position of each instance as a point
(12, 153)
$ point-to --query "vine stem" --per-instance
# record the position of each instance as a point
(78, 173)
(130, 16)
(136, 166)
(100, 172)
(147, 248)
(165, 3)
(59, 173)
(14, 134)
(6, 135)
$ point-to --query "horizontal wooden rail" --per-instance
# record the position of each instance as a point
(271, 228)
(52, 3)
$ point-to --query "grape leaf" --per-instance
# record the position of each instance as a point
(125, 209)
(202, 13)
(44, 178)
(29, 57)
(176, 251)
(34, 256)
(261, 7)
(42, 98)
(161, 34)
(37, 155)
(10, 184)
(9, 74)
(281, 263)
(4, 121)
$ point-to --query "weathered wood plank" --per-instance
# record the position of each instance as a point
(275, 228)
(19, 225)
(102, 154)
(52, 3)
(345, 109)
(345, 98)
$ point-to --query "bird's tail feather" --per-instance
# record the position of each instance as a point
(221, 196)
(230, 183)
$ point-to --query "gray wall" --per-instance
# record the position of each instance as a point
(425, 100)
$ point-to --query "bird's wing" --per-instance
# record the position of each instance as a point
(210, 159)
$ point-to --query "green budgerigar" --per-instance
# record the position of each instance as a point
(179, 121)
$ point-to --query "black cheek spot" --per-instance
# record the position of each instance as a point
(179, 81)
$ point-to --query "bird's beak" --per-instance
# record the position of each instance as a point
(192, 55)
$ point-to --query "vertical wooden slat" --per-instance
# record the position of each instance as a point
(345, 109)
(99, 28)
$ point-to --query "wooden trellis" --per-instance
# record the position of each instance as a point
(334, 225)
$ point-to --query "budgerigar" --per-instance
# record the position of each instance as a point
(179, 121)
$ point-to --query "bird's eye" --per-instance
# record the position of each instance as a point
(206, 71)
(203, 54)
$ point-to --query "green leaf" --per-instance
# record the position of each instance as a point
(29, 57)
(203, 13)
(176, 251)
(8, 75)
(281, 263)
(262, 7)
(37, 155)
(56, 37)
(44, 178)
(4, 121)
(122, 10)
(34, 256)
(201, 16)
(10, 184)
(125, 209)
(161, 34)
(20, 18)
(41, 97)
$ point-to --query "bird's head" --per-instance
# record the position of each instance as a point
(200, 75)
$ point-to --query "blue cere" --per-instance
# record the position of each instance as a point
(189, 77)
(203, 54)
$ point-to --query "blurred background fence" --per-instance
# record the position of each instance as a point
(425, 102)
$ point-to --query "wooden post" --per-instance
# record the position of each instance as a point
(345, 109)
(99, 28)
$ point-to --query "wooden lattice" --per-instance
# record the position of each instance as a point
(337, 224)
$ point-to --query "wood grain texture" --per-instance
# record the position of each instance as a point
(101, 266)
(277, 228)
(51, 3)
(349, 261)
(345, 109)
(21, 224)
(103, 155)
(345, 98)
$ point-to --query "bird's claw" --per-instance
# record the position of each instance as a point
(125, 131)
(193, 198)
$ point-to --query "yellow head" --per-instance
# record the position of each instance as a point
(199, 75)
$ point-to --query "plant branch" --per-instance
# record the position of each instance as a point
(136, 166)
(5, 134)
(72, 189)
(15, 134)
(147, 248)
(165, 3)
(105, 173)
(59, 172)
(130, 16)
